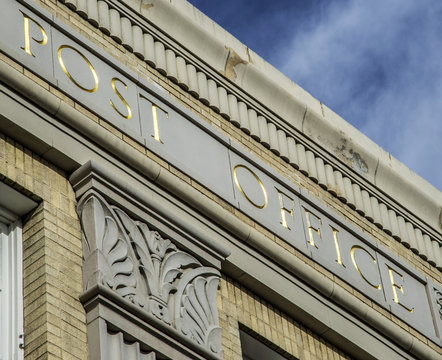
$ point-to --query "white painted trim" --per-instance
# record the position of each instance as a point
(11, 294)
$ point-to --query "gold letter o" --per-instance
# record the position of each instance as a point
(264, 191)
(63, 66)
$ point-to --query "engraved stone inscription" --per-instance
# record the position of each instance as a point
(136, 262)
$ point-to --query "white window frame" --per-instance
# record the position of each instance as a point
(11, 287)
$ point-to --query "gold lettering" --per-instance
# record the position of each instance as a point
(156, 126)
(129, 110)
(264, 191)
(314, 232)
(27, 27)
(66, 71)
(396, 286)
(284, 210)
(337, 247)
(353, 258)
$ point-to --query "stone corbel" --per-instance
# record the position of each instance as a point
(129, 263)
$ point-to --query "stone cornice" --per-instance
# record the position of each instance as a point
(242, 231)
(209, 63)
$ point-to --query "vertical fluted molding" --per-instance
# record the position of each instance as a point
(193, 80)
(403, 232)
(429, 250)
(437, 250)
(411, 237)
(126, 33)
(293, 154)
(311, 165)
(223, 103)
(115, 25)
(331, 183)
(282, 144)
(82, 8)
(203, 88)
(349, 192)
(367, 205)
(359, 204)
(183, 80)
(160, 57)
(213, 95)
(320, 170)
(243, 117)
(233, 109)
(149, 50)
(376, 212)
(420, 244)
(171, 71)
(254, 126)
(385, 218)
(340, 189)
(138, 41)
(302, 159)
(263, 131)
(394, 225)
(92, 12)
(103, 17)
(273, 135)
(71, 4)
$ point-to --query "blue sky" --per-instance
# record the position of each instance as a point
(376, 63)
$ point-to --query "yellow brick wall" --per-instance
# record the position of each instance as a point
(54, 319)
(238, 306)
(130, 60)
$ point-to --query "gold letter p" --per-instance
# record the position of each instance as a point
(27, 29)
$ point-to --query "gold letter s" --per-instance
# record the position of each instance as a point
(129, 110)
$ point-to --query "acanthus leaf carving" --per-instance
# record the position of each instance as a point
(150, 271)
(439, 301)
(107, 258)
(196, 312)
(92, 225)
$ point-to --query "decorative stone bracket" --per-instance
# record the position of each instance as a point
(148, 270)
(134, 275)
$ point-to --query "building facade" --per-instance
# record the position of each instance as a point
(167, 194)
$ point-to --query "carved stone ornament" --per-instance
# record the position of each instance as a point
(151, 272)
(439, 301)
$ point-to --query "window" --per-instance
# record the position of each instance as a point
(253, 349)
(11, 283)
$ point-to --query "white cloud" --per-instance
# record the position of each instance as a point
(378, 64)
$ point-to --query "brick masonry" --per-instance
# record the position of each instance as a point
(238, 306)
(54, 318)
